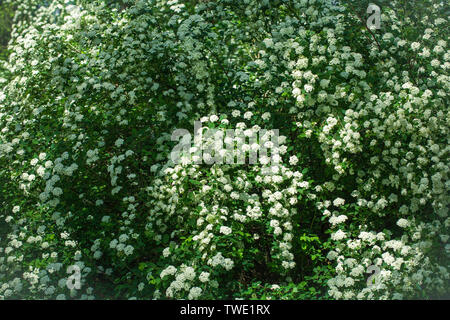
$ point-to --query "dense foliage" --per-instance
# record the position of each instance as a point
(93, 90)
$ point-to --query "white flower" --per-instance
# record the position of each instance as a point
(275, 287)
(277, 231)
(248, 115)
(225, 230)
(235, 113)
(204, 277)
(166, 252)
(268, 42)
(128, 250)
(170, 270)
(308, 88)
(338, 235)
(293, 160)
(274, 223)
(403, 223)
(265, 116)
(338, 202)
(415, 46)
(194, 293)
(334, 220)
(119, 142)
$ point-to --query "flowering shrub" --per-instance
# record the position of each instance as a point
(93, 90)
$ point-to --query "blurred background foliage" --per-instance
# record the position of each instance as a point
(6, 21)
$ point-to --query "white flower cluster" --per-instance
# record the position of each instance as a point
(216, 202)
(90, 95)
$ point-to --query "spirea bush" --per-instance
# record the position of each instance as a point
(93, 90)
